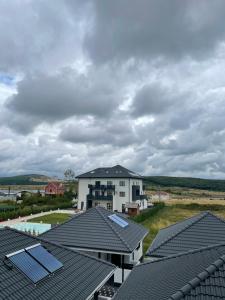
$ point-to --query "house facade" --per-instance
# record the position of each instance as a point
(111, 188)
(55, 189)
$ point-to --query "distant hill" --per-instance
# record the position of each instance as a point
(30, 179)
(186, 182)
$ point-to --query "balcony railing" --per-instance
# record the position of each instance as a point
(100, 197)
(101, 187)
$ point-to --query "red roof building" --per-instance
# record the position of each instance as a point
(55, 189)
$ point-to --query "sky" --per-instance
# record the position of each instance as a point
(86, 84)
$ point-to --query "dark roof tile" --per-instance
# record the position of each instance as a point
(112, 172)
(79, 278)
(94, 230)
(198, 231)
(193, 275)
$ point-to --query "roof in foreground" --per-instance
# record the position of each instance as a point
(112, 172)
(94, 229)
(199, 231)
(78, 279)
(194, 275)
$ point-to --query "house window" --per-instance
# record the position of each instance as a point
(122, 183)
(97, 183)
(109, 193)
(122, 194)
(109, 182)
(109, 206)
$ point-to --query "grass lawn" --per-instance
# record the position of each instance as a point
(55, 218)
(175, 212)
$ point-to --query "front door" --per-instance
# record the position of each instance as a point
(89, 204)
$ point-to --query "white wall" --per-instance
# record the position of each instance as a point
(117, 199)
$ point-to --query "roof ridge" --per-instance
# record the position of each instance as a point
(181, 254)
(215, 216)
(58, 245)
(193, 283)
(201, 216)
(113, 229)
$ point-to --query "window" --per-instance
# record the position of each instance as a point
(109, 206)
(97, 203)
(109, 182)
(122, 183)
(109, 193)
(97, 183)
(122, 194)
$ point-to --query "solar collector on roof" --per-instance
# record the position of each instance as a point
(79, 278)
(29, 266)
(46, 259)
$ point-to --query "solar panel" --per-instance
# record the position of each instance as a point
(45, 258)
(122, 223)
(30, 267)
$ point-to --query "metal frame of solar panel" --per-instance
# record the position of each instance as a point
(29, 266)
(46, 259)
(119, 221)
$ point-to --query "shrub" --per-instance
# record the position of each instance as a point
(150, 212)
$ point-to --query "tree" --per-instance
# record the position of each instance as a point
(69, 175)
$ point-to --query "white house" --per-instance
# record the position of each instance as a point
(110, 188)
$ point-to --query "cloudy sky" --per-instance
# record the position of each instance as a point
(95, 83)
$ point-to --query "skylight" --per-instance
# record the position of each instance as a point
(35, 262)
(119, 221)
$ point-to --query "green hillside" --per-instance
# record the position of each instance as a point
(186, 182)
(31, 179)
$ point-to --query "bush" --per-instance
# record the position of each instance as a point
(201, 207)
(150, 212)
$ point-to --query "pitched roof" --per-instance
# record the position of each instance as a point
(112, 172)
(94, 230)
(79, 278)
(198, 231)
(193, 275)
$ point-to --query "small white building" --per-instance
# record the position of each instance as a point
(110, 188)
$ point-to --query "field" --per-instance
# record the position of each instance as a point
(175, 211)
(55, 218)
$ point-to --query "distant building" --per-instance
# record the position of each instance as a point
(55, 189)
(8, 196)
(111, 188)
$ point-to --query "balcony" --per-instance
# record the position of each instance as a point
(103, 187)
(100, 197)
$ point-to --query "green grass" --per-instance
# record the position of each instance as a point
(185, 182)
(55, 218)
(170, 214)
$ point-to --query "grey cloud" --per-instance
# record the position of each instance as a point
(154, 99)
(118, 134)
(146, 29)
(40, 35)
(46, 98)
